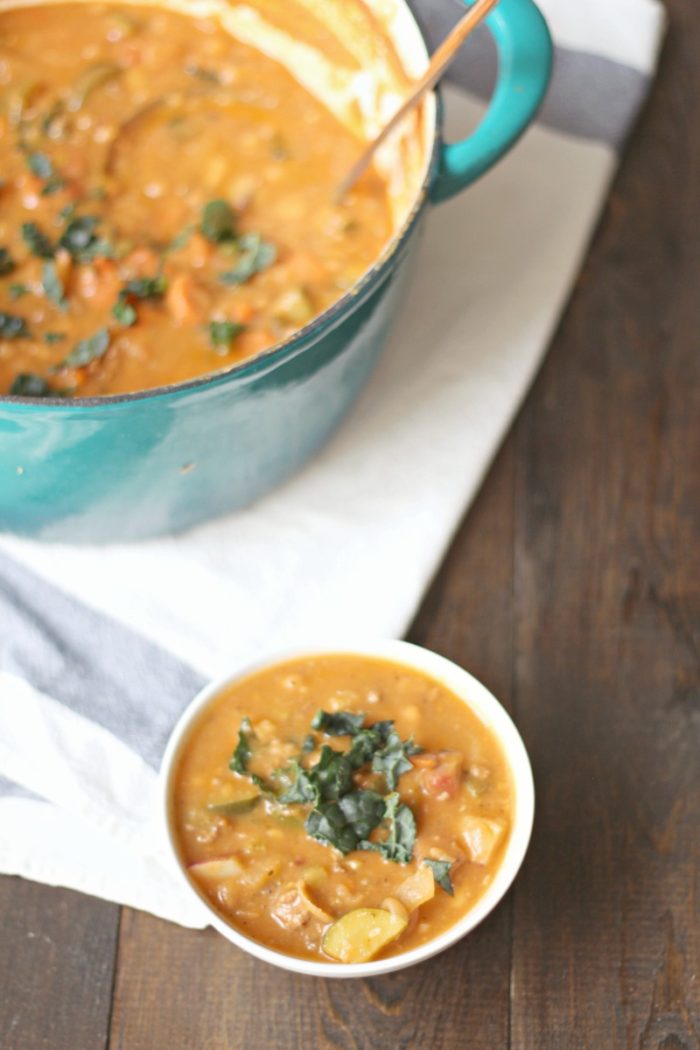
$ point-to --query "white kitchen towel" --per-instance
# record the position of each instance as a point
(101, 649)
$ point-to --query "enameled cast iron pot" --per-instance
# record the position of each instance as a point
(131, 466)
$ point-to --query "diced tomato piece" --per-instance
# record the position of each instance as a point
(445, 778)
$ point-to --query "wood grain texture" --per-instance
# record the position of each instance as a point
(606, 947)
(56, 965)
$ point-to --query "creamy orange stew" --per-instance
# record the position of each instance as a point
(341, 808)
(166, 200)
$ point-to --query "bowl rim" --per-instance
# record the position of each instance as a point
(468, 689)
(327, 320)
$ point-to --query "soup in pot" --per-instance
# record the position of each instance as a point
(166, 200)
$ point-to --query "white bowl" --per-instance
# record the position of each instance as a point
(484, 705)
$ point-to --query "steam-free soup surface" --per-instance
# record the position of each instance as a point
(166, 201)
(341, 808)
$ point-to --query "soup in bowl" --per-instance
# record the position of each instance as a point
(347, 813)
(186, 309)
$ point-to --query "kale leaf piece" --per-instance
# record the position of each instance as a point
(37, 241)
(332, 773)
(7, 263)
(87, 350)
(12, 326)
(81, 242)
(255, 256)
(241, 755)
(392, 760)
(343, 813)
(27, 384)
(401, 832)
(304, 789)
(338, 723)
(218, 222)
(344, 823)
(441, 871)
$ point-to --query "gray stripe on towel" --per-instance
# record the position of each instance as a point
(92, 664)
(589, 96)
(8, 789)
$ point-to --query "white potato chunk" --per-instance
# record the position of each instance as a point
(218, 868)
(361, 934)
(417, 888)
(395, 907)
(481, 836)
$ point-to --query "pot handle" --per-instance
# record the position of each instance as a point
(524, 66)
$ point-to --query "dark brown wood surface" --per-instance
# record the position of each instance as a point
(573, 591)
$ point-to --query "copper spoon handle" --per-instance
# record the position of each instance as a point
(438, 64)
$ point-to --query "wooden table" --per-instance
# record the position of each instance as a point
(573, 591)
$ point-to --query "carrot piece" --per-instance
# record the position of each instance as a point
(242, 312)
(186, 300)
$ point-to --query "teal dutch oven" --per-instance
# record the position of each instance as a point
(127, 467)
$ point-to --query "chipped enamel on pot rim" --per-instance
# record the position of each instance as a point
(467, 689)
(396, 21)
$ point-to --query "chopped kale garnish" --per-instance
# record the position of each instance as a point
(400, 839)
(338, 723)
(364, 744)
(39, 164)
(364, 810)
(304, 788)
(18, 290)
(123, 312)
(441, 871)
(138, 288)
(52, 285)
(345, 823)
(29, 385)
(180, 239)
(12, 326)
(7, 263)
(37, 241)
(223, 333)
(241, 755)
(392, 760)
(329, 779)
(341, 813)
(80, 240)
(255, 256)
(52, 185)
(327, 824)
(54, 337)
(146, 287)
(87, 350)
(218, 222)
(265, 788)
(332, 773)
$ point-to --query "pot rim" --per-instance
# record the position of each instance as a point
(305, 337)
